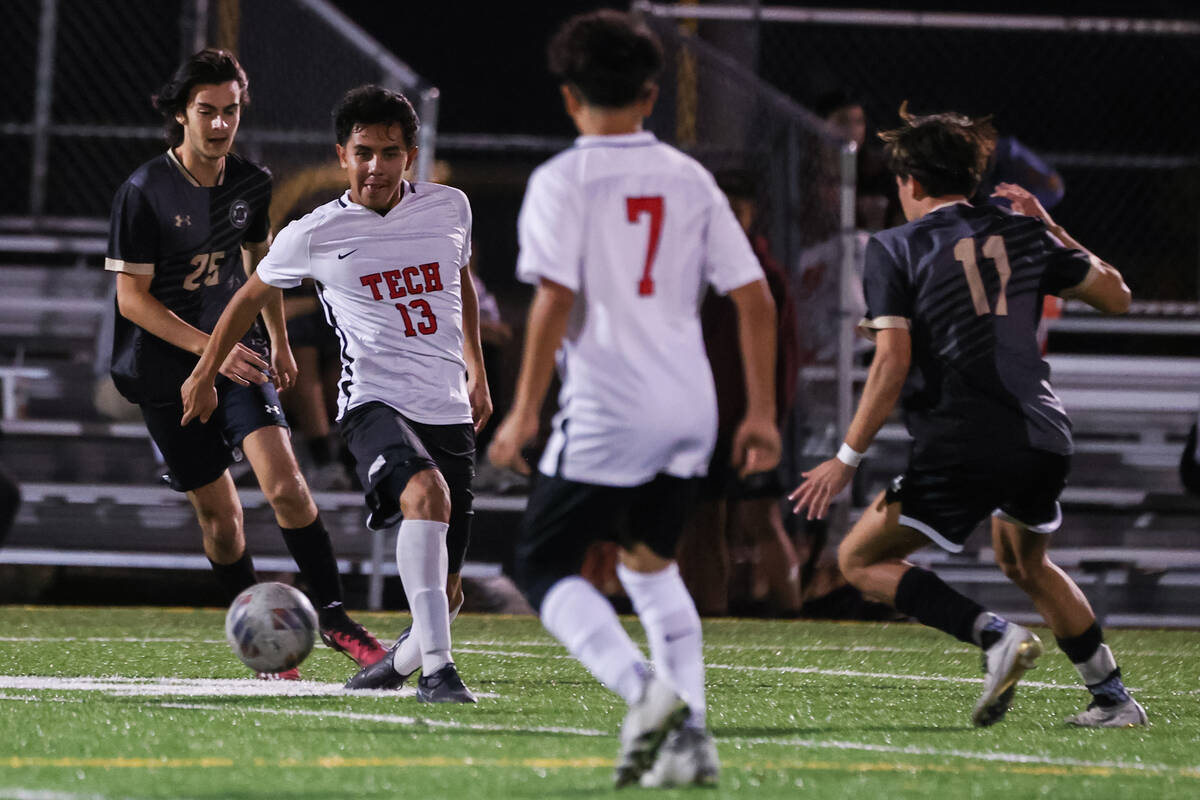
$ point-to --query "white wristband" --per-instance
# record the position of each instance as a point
(849, 456)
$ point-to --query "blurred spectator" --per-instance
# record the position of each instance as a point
(739, 520)
(1013, 162)
(877, 204)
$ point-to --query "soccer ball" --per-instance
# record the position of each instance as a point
(270, 627)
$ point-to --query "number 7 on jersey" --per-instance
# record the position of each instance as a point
(635, 207)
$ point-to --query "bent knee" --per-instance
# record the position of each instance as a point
(851, 563)
(1022, 572)
(288, 494)
(426, 496)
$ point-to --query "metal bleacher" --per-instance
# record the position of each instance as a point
(92, 496)
(91, 490)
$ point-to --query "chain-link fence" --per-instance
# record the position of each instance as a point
(76, 117)
(1109, 103)
(760, 143)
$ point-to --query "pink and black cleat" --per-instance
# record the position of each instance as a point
(347, 636)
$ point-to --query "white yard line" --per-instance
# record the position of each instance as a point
(852, 673)
(1007, 758)
(117, 686)
(18, 793)
(392, 719)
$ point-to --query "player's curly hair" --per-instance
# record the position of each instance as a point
(372, 105)
(210, 66)
(947, 153)
(608, 56)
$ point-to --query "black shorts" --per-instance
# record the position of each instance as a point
(198, 453)
(389, 449)
(563, 518)
(312, 330)
(946, 504)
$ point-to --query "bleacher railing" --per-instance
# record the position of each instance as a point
(75, 114)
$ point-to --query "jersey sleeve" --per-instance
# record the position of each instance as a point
(1066, 267)
(287, 262)
(550, 231)
(132, 233)
(468, 221)
(260, 225)
(729, 261)
(887, 291)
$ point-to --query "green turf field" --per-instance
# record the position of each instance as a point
(132, 703)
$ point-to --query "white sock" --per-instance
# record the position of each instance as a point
(1097, 668)
(407, 659)
(672, 625)
(586, 624)
(422, 560)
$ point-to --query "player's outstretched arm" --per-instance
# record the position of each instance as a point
(283, 363)
(756, 445)
(893, 354)
(143, 309)
(1102, 288)
(544, 331)
(224, 354)
(477, 383)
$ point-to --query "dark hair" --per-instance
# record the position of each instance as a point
(608, 56)
(834, 100)
(371, 105)
(946, 152)
(210, 66)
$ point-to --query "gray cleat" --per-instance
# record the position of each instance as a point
(443, 686)
(688, 758)
(382, 674)
(1129, 714)
(1004, 663)
(659, 711)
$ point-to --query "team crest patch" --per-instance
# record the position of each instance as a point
(239, 213)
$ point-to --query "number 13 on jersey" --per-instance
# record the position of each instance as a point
(635, 207)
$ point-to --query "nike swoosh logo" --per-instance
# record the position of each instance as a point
(343, 255)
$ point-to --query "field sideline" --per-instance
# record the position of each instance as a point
(150, 703)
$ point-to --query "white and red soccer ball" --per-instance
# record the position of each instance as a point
(271, 627)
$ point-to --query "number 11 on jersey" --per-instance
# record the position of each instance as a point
(634, 208)
(993, 248)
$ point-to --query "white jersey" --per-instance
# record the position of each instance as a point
(390, 286)
(637, 230)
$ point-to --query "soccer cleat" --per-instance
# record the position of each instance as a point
(1003, 664)
(382, 674)
(1129, 714)
(292, 674)
(688, 758)
(347, 636)
(443, 686)
(659, 711)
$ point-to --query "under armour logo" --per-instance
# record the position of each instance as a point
(183, 220)
(273, 409)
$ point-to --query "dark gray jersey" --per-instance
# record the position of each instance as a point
(968, 283)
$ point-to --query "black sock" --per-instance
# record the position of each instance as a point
(320, 450)
(236, 577)
(926, 597)
(313, 552)
(1106, 686)
(1082, 647)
